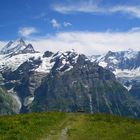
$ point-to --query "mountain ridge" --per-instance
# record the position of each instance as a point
(63, 81)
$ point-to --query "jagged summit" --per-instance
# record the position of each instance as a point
(124, 64)
(128, 59)
(17, 47)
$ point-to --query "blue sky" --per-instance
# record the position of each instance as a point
(51, 19)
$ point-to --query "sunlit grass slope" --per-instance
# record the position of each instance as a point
(68, 126)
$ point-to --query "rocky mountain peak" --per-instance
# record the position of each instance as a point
(20, 41)
(124, 64)
(17, 47)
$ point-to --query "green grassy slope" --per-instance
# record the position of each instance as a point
(68, 126)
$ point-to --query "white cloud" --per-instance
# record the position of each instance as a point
(89, 42)
(132, 10)
(84, 7)
(27, 31)
(92, 7)
(135, 29)
(66, 24)
(55, 24)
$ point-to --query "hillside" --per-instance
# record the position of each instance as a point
(68, 126)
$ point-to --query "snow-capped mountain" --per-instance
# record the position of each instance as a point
(120, 60)
(124, 64)
(16, 55)
(62, 61)
(17, 47)
(62, 81)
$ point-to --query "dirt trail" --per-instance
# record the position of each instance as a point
(62, 134)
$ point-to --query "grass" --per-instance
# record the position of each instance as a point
(68, 126)
(30, 126)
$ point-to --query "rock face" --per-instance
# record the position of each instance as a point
(86, 87)
(62, 81)
(8, 103)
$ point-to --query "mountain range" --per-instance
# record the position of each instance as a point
(31, 81)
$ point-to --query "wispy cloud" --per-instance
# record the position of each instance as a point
(94, 8)
(85, 7)
(55, 24)
(27, 31)
(66, 24)
(89, 42)
(134, 29)
(131, 10)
